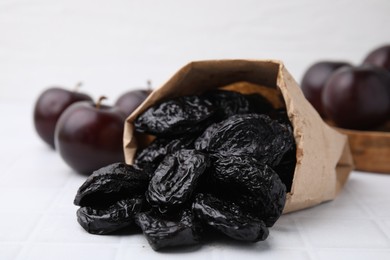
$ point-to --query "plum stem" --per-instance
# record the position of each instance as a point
(77, 87)
(99, 102)
(149, 84)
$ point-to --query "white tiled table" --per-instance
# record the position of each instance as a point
(37, 215)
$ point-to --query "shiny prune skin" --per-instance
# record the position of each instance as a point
(286, 168)
(175, 179)
(230, 103)
(246, 175)
(193, 113)
(228, 218)
(110, 184)
(281, 116)
(314, 80)
(250, 134)
(358, 97)
(220, 180)
(162, 231)
(186, 114)
(117, 216)
(152, 155)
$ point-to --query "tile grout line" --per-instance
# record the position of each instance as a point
(11, 163)
(119, 249)
(307, 245)
(29, 240)
(371, 215)
(387, 233)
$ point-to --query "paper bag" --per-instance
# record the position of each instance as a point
(323, 156)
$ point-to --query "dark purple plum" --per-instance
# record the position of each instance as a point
(379, 57)
(49, 107)
(130, 100)
(89, 136)
(314, 80)
(357, 97)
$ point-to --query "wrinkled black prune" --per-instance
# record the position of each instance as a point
(250, 134)
(186, 114)
(229, 218)
(117, 216)
(286, 168)
(279, 115)
(232, 103)
(162, 231)
(246, 175)
(176, 178)
(151, 156)
(258, 104)
(110, 184)
(220, 161)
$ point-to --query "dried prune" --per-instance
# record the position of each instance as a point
(281, 116)
(176, 178)
(219, 161)
(258, 104)
(232, 103)
(117, 216)
(151, 156)
(110, 184)
(246, 175)
(229, 218)
(250, 134)
(186, 114)
(162, 231)
(286, 168)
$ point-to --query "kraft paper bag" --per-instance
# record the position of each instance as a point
(324, 160)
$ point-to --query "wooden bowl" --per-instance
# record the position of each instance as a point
(370, 149)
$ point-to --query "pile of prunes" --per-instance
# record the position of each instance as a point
(221, 161)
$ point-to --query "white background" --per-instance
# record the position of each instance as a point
(117, 45)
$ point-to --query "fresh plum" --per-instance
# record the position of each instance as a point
(357, 97)
(314, 80)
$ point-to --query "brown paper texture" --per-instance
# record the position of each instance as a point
(323, 157)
